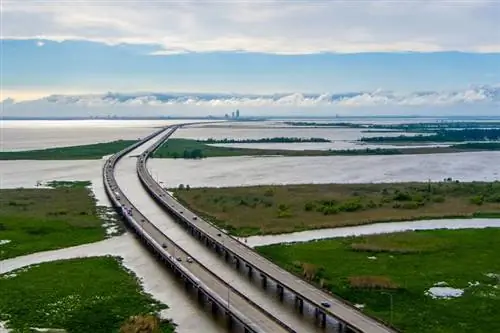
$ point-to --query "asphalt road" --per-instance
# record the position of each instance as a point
(338, 308)
(236, 302)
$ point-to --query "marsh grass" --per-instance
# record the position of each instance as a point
(254, 210)
(79, 295)
(83, 152)
(406, 266)
(47, 219)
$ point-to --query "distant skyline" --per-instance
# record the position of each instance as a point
(373, 49)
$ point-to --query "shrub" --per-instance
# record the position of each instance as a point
(494, 198)
(438, 198)
(402, 196)
(330, 210)
(411, 205)
(477, 200)
(351, 206)
(309, 206)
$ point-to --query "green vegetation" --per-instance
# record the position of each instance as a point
(265, 140)
(443, 136)
(478, 146)
(85, 152)
(187, 148)
(192, 149)
(35, 220)
(320, 124)
(408, 127)
(246, 211)
(69, 184)
(371, 270)
(80, 296)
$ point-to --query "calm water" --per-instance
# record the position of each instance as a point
(38, 134)
(243, 171)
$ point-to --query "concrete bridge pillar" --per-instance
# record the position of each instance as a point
(230, 321)
(237, 262)
(226, 255)
(281, 292)
(250, 269)
(201, 296)
(320, 317)
(264, 281)
(215, 308)
(299, 304)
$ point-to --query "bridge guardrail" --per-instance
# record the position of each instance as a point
(109, 177)
(219, 243)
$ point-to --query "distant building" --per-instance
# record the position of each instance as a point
(232, 114)
(237, 113)
(226, 116)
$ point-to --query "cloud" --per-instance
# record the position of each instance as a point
(471, 96)
(270, 26)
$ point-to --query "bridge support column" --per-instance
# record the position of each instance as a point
(281, 292)
(201, 296)
(215, 308)
(249, 270)
(323, 319)
(237, 262)
(320, 317)
(264, 281)
(299, 304)
(226, 255)
(230, 321)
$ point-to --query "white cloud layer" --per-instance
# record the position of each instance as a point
(272, 26)
(470, 96)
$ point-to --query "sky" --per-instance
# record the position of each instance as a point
(330, 54)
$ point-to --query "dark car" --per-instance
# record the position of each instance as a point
(325, 304)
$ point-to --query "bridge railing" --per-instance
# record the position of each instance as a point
(111, 186)
(145, 173)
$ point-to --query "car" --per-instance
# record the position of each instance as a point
(325, 304)
(179, 259)
(182, 212)
(189, 259)
(164, 245)
(219, 234)
(195, 217)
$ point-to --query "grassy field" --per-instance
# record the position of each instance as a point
(246, 211)
(85, 152)
(81, 296)
(35, 220)
(370, 270)
(188, 148)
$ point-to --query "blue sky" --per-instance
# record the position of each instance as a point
(387, 52)
(82, 66)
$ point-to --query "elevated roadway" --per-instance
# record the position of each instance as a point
(221, 296)
(325, 305)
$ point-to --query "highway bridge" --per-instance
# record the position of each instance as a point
(221, 298)
(325, 305)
